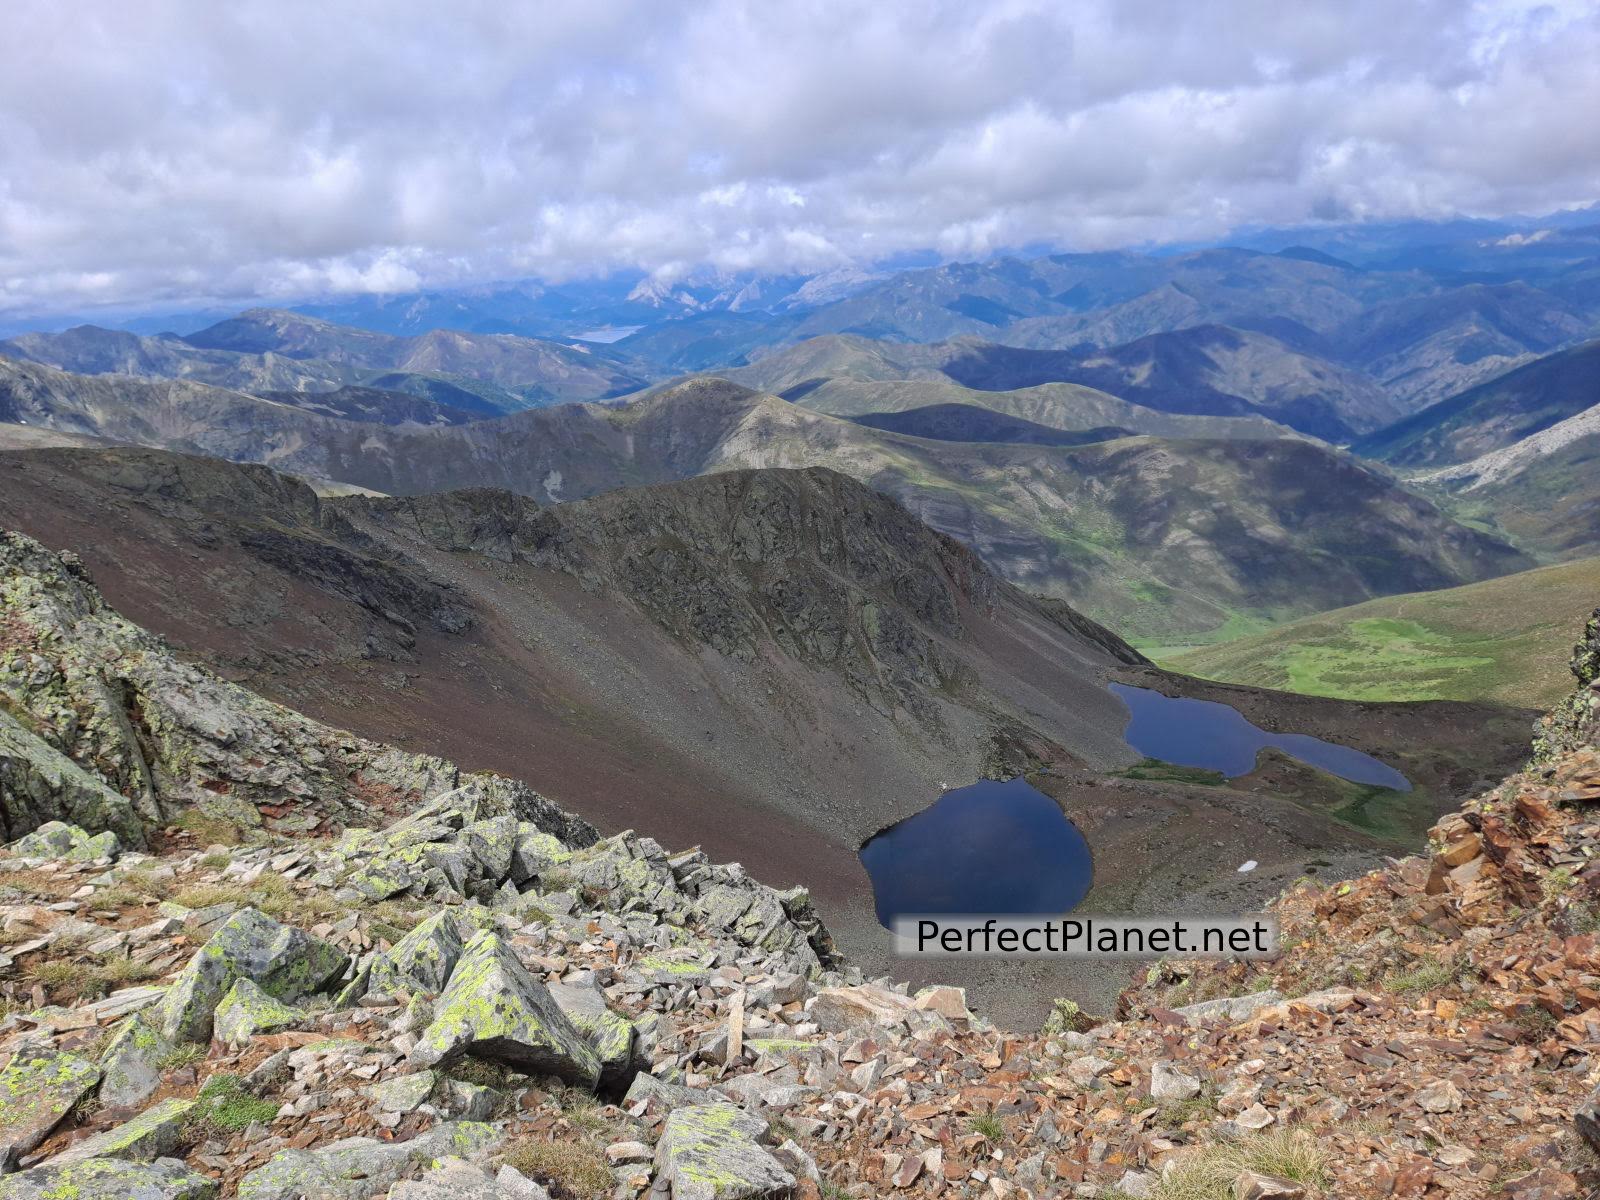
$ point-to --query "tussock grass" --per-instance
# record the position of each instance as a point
(209, 829)
(1208, 1173)
(572, 1170)
(987, 1126)
(1427, 975)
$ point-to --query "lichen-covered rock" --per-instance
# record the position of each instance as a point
(152, 1134)
(285, 962)
(419, 962)
(493, 1008)
(457, 1180)
(403, 1093)
(358, 1167)
(109, 1179)
(38, 1088)
(39, 786)
(714, 1152)
(610, 1033)
(247, 1011)
(131, 1063)
(57, 839)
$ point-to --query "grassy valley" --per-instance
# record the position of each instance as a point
(1503, 640)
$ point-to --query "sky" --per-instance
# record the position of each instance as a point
(161, 152)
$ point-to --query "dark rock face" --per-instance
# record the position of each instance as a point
(830, 571)
(1575, 722)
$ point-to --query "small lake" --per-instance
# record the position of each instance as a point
(989, 848)
(1217, 737)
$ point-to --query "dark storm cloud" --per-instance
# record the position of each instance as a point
(180, 149)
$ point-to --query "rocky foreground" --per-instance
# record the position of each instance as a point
(243, 953)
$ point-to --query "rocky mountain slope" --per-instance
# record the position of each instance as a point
(270, 350)
(1495, 414)
(1207, 370)
(481, 998)
(847, 375)
(1163, 539)
(773, 664)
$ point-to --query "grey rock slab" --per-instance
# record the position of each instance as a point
(152, 1134)
(714, 1152)
(108, 1179)
(131, 1063)
(610, 1033)
(493, 1008)
(37, 1089)
(284, 962)
(358, 1167)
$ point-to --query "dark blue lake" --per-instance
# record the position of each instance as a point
(988, 848)
(1217, 737)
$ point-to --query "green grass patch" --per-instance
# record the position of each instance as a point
(1154, 770)
(1504, 640)
(225, 1106)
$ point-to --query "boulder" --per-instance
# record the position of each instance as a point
(493, 1008)
(714, 1152)
(493, 843)
(1231, 1009)
(37, 1089)
(108, 1179)
(131, 1063)
(453, 1179)
(284, 962)
(403, 1093)
(40, 786)
(949, 1002)
(837, 1009)
(1169, 1082)
(57, 839)
(152, 1134)
(609, 1033)
(358, 1167)
(247, 1010)
(419, 962)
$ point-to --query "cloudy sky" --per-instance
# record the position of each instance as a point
(161, 152)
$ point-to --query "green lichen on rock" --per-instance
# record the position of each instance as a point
(37, 1089)
(108, 1179)
(285, 962)
(247, 1011)
(358, 1167)
(403, 1093)
(714, 1152)
(57, 839)
(419, 962)
(610, 1033)
(131, 1063)
(152, 1134)
(493, 1008)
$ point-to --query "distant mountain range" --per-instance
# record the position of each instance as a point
(1149, 436)
(1163, 538)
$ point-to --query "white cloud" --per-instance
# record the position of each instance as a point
(177, 149)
